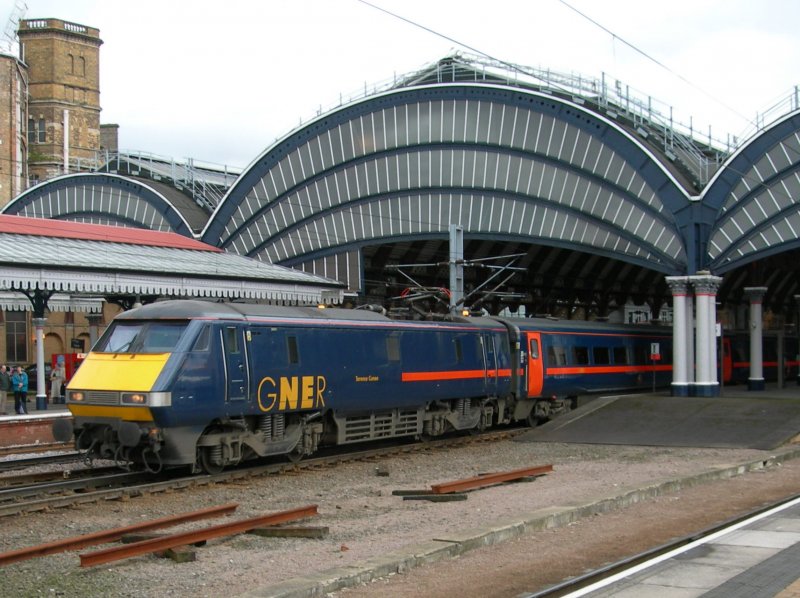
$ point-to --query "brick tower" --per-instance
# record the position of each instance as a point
(63, 62)
(13, 122)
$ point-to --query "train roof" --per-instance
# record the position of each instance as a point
(189, 309)
(194, 309)
(556, 325)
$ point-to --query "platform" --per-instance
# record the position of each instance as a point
(740, 419)
(757, 560)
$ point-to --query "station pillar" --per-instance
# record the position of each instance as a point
(41, 389)
(756, 379)
(681, 362)
(705, 289)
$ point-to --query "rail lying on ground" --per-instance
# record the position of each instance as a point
(224, 529)
(111, 535)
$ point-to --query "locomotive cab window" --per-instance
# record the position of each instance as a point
(141, 337)
(202, 342)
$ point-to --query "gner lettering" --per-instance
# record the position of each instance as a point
(291, 392)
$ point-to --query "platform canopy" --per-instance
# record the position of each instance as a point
(45, 257)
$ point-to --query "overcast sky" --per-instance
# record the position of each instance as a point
(221, 81)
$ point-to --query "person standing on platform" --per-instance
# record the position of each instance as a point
(19, 382)
(57, 378)
(5, 386)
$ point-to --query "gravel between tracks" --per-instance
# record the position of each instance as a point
(365, 520)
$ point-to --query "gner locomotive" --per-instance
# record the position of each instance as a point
(209, 385)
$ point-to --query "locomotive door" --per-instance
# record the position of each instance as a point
(236, 372)
(535, 365)
(490, 364)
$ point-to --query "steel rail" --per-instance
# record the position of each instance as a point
(28, 479)
(35, 448)
(116, 553)
(489, 479)
(119, 478)
(13, 464)
(101, 537)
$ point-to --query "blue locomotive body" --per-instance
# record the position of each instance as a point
(209, 385)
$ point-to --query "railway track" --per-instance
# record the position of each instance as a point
(5, 451)
(50, 494)
(43, 477)
(28, 462)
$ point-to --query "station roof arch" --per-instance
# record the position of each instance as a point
(507, 164)
(111, 199)
(755, 201)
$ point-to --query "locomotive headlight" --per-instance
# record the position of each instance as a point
(134, 398)
(76, 395)
(151, 399)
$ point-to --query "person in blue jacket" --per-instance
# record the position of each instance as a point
(19, 384)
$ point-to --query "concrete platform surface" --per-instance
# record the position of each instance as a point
(762, 421)
(757, 560)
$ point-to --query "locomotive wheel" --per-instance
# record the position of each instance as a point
(207, 462)
(295, 455)
(206, 454)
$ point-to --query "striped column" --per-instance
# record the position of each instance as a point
(705, 289)
(679, 285)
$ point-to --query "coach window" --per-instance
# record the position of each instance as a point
(620, 356)
(641, 354)
(556, 355)
(534, 353)
(601, 355)
(459, 350)
(580, 355)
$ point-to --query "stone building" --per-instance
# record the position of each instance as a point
(63, 128)
(13, 118)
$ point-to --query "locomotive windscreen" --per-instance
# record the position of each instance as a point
(141, 337)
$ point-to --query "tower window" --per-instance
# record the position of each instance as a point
(42, 131)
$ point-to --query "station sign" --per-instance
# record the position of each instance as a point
(655, 351)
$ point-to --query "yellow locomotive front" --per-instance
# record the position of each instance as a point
(115, 394)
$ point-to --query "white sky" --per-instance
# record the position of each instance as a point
(220, 81)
